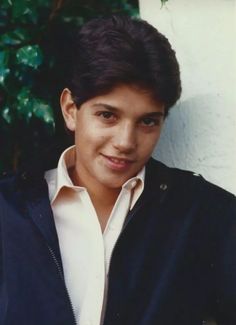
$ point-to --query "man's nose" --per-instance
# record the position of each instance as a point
(125, 138)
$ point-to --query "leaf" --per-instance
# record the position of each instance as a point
(25, 11)
(24, 103)
(4, 55)
(4, 70)
(29, 106)
(15, 37)
(4, 19)
(43, 111)
(20, 8)
(6, 4)
(30, 55)
(6, 114)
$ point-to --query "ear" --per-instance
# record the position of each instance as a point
(68, 108)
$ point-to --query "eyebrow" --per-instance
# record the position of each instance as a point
(107, 106)
(115, 109)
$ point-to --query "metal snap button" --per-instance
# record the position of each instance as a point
(163, 187)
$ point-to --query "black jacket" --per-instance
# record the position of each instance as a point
(173, 264)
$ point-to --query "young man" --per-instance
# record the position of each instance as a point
(112, 236)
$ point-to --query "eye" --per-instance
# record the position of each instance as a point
(106, 116)
(149, 121)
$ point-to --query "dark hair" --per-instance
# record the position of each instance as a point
(123, 50)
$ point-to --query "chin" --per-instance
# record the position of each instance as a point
(114, 185)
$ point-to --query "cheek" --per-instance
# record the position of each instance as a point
(91, 140)
(100, 136)
(147, 144)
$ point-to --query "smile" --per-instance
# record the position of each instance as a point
(116, 163)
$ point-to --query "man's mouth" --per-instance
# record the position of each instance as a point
(117, 163)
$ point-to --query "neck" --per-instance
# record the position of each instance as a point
(103, 198)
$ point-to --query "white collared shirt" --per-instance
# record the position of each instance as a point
(85, 250)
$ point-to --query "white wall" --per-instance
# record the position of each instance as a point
(200, 133)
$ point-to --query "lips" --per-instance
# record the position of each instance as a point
(116, 163)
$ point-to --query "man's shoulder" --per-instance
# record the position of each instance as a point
(7, 179)
(8, 188)
(186, 182)
(16, 185)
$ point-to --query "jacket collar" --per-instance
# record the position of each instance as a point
(158, 180)
(158, 183)
(35, 189)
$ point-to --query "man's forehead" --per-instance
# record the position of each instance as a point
(126, 92)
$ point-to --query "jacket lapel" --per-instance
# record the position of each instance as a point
(38, 206)
(158, 183)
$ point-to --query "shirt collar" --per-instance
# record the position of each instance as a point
(62, 178)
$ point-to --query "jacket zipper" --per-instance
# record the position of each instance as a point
(62, 278)
(129, 217)
(127, 221)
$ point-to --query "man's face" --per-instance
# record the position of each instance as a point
(115, 135)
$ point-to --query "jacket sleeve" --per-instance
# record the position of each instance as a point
(226, 265)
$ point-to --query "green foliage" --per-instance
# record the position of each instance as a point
(31, 42)
(30, 55)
